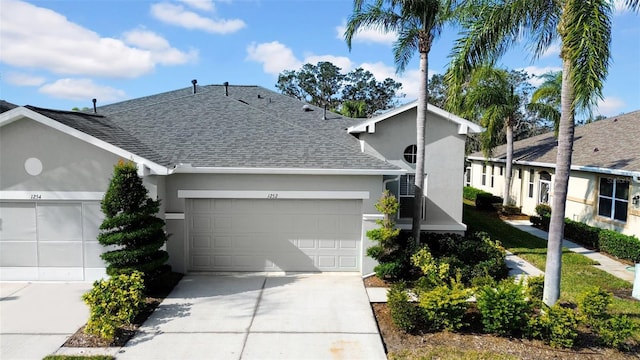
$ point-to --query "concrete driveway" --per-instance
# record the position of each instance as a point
(302, 316)
(37, 318)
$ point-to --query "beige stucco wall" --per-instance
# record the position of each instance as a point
(444, 160)
(582, 196)
(68, 164)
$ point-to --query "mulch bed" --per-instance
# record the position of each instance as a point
(396, 341)
(124, 334)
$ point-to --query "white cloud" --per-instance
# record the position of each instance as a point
(161, 51)
(610, 106)
(22, 79)
(274, 56)
(63, 47)
(205, 5)
(553, 49)
(179, 16)
(536, 71)
(81, 89)
(368, 35)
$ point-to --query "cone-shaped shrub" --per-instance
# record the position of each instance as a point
(131, 225)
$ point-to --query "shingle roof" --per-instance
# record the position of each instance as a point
(6, 106)
(101, 128)
(610, 144)
(253, 127)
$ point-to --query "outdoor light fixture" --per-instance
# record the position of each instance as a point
(636, 200)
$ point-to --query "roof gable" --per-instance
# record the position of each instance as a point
(91, 128)
(464, 126)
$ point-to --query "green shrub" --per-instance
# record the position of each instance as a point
(582, 233)
(593, 304)
(444, 306)
(131, 224)
(509, 209)
(616, 331)
(472, 256)
(541, 222)
(485, 201)
(557, 326)
(393, 252)
(407, 316)
(535, 288)
(434, 272)
(504, 309)
(114, 303)
(470, 193)
(619, 245)
(543, 210)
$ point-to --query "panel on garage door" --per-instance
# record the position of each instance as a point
(274, 235)
(18, 241)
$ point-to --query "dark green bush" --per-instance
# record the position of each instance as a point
(406, 315)
(593, 304)
(509, 209)
(485, 201)
(619, 245)
(543, 210)
(114, 303)
(504, 309)
(582, 233)
(541, 222)
(557, 326)
(615, 331)
(475, 255)
(470, 193)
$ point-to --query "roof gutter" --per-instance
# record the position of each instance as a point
(189, 169)
(594, 169)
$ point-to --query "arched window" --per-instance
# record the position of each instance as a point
(411, 154)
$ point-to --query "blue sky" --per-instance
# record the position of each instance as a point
(62, 53)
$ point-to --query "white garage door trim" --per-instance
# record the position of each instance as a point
(320, 260)
(273, 194)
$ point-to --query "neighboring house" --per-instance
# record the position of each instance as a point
(249, 180)
(604, 187)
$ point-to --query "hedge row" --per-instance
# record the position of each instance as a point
(470, 193)
(622, 246)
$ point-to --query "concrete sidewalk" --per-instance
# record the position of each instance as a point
(37, 318)
(303, 316)
(613, 267)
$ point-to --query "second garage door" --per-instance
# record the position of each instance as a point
(274, 235)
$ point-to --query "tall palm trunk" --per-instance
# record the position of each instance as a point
(509, 165)
(421, 121)
(553, 268)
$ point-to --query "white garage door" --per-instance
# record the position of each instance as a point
(274, 235)
(50, 240)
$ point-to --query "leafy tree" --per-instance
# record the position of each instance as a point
(584, 31)
(324, 85)
(437, 91)
(131, 225)
(418, 23)
(545, 101)
(491, 99)
(354, 109)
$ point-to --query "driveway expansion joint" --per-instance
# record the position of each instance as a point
(253, 316)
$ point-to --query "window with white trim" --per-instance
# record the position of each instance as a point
(613, 198)
(406, 196)
(467, 176)
(544, 188)
(493, 170)
(411, 154)
(531, 178)
(484, 175)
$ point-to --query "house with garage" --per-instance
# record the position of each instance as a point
(604, 184)
(249, 180)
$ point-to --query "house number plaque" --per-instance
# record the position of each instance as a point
(272, 196)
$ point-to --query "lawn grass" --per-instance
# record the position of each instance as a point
(447, 353)
(79, 357)
(578, 273)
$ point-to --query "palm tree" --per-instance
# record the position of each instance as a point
(354, 108)
(545, 101)
(418, 23)
(489, 97)
(584, 31)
